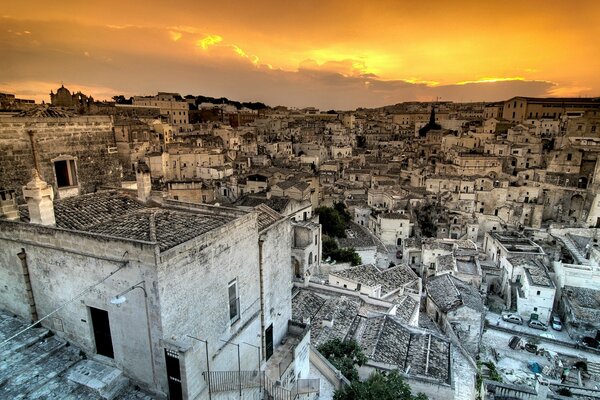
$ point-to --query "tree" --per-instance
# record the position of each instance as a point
(344, 355)
(332, 221)
(331, 249)
(379, 386)
(120, 99)
(343, 211)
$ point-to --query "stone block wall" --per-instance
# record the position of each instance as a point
(85, 138)
(61, 266)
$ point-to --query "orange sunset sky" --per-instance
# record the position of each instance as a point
(327, 54)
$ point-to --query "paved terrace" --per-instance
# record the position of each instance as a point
(40, 365)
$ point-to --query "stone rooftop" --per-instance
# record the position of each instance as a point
(406, 306)
(536, 272)
(321, 310)
(449, 293)
(386, 339)
(266, 216)
(40, 365)
(115, 214)
(446, 262)
(390, 279)
(275, 202)
(437, 244)
(361, 238)
(585, 302)
(302, 186)
(466, 265)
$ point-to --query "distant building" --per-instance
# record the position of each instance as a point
(518, 109)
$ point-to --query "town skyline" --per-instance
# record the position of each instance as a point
(303, 55)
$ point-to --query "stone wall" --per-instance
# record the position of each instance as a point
(277, 278)
(84, 138)
(62, 265)
(193, 289)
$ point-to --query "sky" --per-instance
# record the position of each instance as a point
(326, 54)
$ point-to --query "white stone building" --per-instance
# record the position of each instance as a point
(217, 274)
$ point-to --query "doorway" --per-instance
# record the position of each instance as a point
(269, 341)
(102, 337)
(173, 375)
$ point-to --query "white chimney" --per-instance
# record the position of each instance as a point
(40, 200)
(144, 183)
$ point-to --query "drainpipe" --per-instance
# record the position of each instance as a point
(28, 290)
(262, 296)
(36, 161)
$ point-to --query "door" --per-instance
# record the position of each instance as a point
(269, 341)
(173, 375)
(102, 336)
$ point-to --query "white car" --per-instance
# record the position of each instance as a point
(535, 324)
(514, 318)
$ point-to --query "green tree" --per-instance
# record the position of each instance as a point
(331, 249)
(343, 211)
(379, 386)
(333, 221)
(344, 355)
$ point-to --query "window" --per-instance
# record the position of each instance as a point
(234, 301)
(569, 157)
(538, 293)
(534, 308)
(66, 173)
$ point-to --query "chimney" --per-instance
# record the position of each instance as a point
(8, 205)
(144, 183)
(40, 200)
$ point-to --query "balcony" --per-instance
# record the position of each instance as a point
(279, 363)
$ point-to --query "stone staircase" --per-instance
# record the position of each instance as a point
(594, 369)
(40, 365)
(574, 250)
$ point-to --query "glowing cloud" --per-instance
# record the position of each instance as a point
(209, 40)
(253, 58)
(174, 35)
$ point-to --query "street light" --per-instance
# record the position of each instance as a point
(258, 371)
(207, 364)
(120, 299)
(239, 364)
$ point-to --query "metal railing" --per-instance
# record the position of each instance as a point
(232, 381)
(226, 381)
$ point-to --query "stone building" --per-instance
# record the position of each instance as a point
(218, 274)
(457, 308)
(75, 155)
(64, 98)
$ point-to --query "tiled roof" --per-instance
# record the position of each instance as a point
(387, 340)
(114, 214)
(47, 112)
(406, 306)
(389, 279)
(266, 216)
(276, 203)
(342, 310)
(450, 293)
(305, 305)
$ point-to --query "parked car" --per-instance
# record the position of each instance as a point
(535, 324)
(514, 342)
(514, 318)
(556, 323)
(531, 347)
